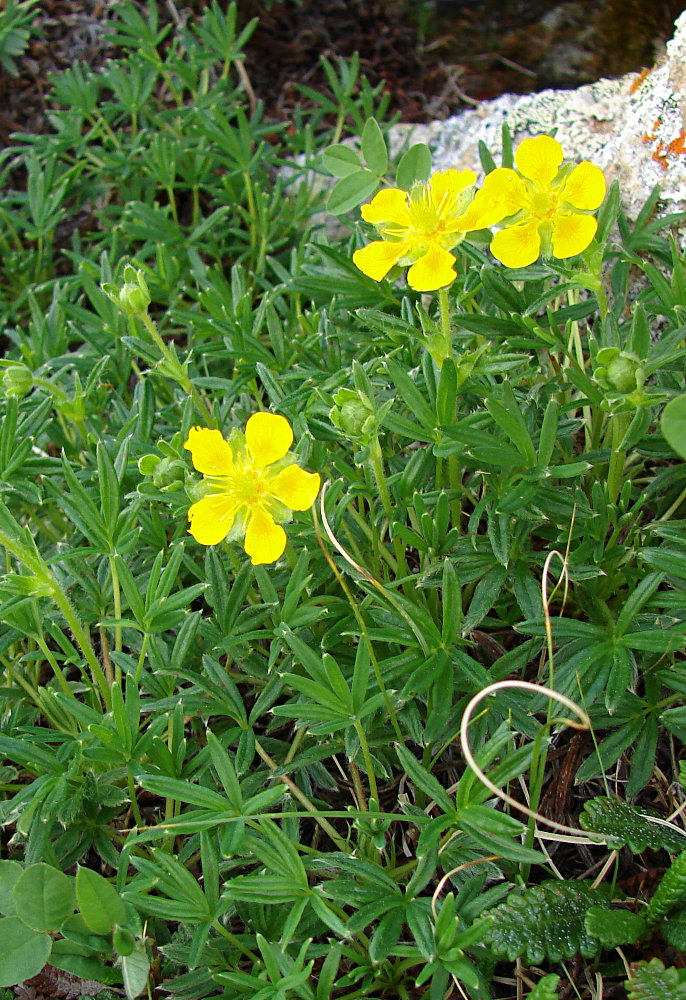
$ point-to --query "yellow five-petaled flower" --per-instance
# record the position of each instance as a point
(418, 228)
(544, 206)
(251, 486)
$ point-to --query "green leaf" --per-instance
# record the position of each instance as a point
(426, 781)
(340, 160)
(545, 921)
(673, 423)
(99, 902)
(374, 147)
(652, 981)
(545, 989)
(44, 897)
(23, 952)
(627, 825)
(614, 927)
(135, 968)
(415, 165)
(9, 874)
(674, 930)
(351, 191)
(671, 891)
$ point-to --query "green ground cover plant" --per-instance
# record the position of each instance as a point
(344, 569)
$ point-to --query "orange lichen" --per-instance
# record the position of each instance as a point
(639, 80)
(659, 155)
(677, 145)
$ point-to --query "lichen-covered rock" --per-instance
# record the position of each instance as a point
(633, 127)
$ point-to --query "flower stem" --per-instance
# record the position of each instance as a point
(382, 486)
(620, 422)
(176, 370)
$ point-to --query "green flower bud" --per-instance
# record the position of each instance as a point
(354, 415)
(133, 298)
(619, 371)
(17, 381)
(167, 472)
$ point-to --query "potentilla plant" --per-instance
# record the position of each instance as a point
(344, 577)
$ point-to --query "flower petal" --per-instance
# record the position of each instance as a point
(572, 234)
(433, 270)
(539, 159)
(265, 540)
(503, 193)
(517, 245)
(295, 488)
(210, 452)
(389, 205)
(585, 186)
(211, 518)
(376, 259)
(268, 437)
(450, 182)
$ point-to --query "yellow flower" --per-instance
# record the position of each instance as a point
(418, 228)
(544, 207)
(249, 486)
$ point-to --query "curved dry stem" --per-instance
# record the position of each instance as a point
(367, 575)
(453, 871)
(589, 837)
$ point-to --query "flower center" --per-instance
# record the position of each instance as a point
(246, 485)
(543, 204)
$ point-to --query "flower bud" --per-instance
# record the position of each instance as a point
(353, 414)
(17, 381)
(133, 298)
(619, 371)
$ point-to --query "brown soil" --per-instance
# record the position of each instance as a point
(435, 58)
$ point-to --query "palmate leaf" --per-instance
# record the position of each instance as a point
(545, 921)
(628, 826)
(652, 981)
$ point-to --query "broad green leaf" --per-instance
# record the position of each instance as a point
(23, 952)
(44, 897)
(99, 902)
(670, 893)
(652, 981)
(614, 927)
(415, 165)
(135, 969)
(374, 147)
(341, 160)
(9, 874)
(544, 922)
(351, 191)
(673, 423)
(545, 988)
(627, 825)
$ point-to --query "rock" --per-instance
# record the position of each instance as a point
(633, 127)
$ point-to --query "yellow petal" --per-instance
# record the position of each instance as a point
(268, 437)
(503, 193)
(210, 453)
(389, 205)
(376, 259)
(517, 246)
(211, 519)
(433, 270)
(265, 540)
(539, 159)
(295, 488)
(450, 182)
(572, 234)
(585, 186)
